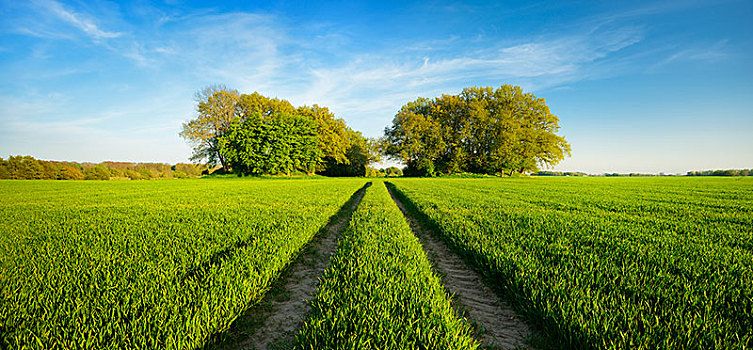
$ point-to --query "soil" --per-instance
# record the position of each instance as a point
(274, 322)
(496, 323)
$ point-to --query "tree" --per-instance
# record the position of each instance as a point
(361, 152)
(278, 145)
(98, 172)
(263, 106)
(334, 137)
(481, 130)
(70, 172)
(393, 171)
(216, 108)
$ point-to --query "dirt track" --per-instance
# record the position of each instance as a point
(496, 323)
(273, 323)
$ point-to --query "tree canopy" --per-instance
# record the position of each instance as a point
(481, 130)
(254, 134)
(216, 107)
(280, 145)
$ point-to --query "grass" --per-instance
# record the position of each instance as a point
(611, 263)
(147, 264)
(608, 263)
(380, 292)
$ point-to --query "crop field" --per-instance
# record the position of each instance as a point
(618, 263)
(380, 290)
(608, 263)
(162, 264)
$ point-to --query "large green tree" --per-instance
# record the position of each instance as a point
(481, 130)
(361, 152)
(281, 144)
(216, 107)
(334, 137)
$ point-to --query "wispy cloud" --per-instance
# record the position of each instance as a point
(377, 84)
(131, 70)
(710, 54)
(77, 20)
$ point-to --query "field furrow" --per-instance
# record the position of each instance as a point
(274, 321)
(496, 322)
(380, 292)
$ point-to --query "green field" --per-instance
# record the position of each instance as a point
(589, 262)
(609, 263)
(380, 289)
(147, 264)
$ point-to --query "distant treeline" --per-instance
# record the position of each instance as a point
(560, 173)
(728, 172)
(26, 167)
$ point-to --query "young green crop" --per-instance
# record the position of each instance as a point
(608, 263)
(161, 264)
(380, 292)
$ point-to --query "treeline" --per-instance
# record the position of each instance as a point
(560, 173)
(389, 172)
(727, 172)
(26, 167)
(634, 175)
(251, 134)
(481, 130)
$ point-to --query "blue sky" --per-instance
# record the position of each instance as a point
(663, 86)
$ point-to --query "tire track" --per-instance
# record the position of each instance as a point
(272, 324)
(496, 323)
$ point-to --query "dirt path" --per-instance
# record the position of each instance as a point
(272, 324)
(496, 322)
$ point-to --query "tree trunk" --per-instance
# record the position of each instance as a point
(223, 162)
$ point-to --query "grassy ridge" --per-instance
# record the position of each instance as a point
(147, 264)
(380, 292)
(609, 263)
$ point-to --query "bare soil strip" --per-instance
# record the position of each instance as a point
(272, 324)
(496, 323)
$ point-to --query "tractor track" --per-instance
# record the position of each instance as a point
(496, 323)
(273, 323)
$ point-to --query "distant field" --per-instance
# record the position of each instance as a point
(589, 262)
(609, 263)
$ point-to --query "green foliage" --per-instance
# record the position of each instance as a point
(147, 265)
(380, 292)
(335, 138)
(393, 171)
(728, 172)
(340, 149)
(255, 105)
(482, 130)
(216, 107)
(560, 173)
(359, 155)
(608, 263)
(280, 144)
(26, 167)
(97, 173)
(371, 172)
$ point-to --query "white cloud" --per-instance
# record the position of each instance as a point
(372, 87)
(708, 55)
(77, 20)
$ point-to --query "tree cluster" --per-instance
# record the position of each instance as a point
(26, 167)
(727, 172)
(560, 173)
(253, 134)
(481, 130)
